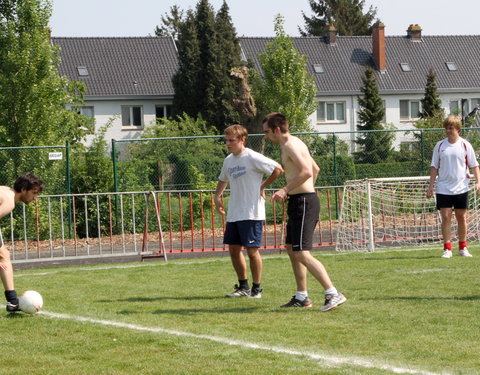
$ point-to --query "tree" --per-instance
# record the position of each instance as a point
(33, 97)
(376, 146)
(346, 15)
(285, 86)
(431, 103)
(187, 93)
(171, 23)
(208, 51)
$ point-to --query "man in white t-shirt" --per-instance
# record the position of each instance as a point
(244, 169)
(451, 160)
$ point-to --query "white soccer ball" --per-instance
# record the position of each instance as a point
(30, 302)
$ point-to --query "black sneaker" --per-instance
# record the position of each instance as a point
(239, 292)
(297, 303)
(256, 293)
(332, 301)
(12, 308)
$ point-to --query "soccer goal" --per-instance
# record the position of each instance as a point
(385, 212)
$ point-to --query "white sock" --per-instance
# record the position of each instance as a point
(301, 295)
(333, 291)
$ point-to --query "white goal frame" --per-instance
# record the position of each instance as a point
(385, 212)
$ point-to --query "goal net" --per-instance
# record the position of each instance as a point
(387, 212)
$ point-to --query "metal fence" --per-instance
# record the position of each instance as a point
(130, 223)
(194, 163)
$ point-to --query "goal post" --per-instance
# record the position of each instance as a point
(385, 212)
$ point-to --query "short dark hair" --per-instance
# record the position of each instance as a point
(276, 120)
(28, 181)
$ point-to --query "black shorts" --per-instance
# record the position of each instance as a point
(303, 211)
(456, 201)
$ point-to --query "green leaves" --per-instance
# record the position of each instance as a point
(285, 86)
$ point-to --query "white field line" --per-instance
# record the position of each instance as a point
(326, 359)
(425, 271)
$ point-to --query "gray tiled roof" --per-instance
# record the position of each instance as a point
(344, 62)
(115, 64)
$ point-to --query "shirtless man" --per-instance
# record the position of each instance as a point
(25, 189)
(303, 209)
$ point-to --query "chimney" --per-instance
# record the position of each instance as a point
(331, 35)
(414, 32)
(378, 40)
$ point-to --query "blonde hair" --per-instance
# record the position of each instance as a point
(237, 131)
(453, 121)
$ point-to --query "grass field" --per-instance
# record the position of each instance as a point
(408, 312)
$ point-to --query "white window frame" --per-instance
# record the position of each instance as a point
(164, 108)
(334, 105)
(410, 102)
(87, 110)
(128, 121)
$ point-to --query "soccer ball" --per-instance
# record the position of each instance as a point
(30, 302)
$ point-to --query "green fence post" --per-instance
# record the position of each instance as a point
(335, 172)
(69, 187)
(114, 164)
(115, 180)
(422, 149)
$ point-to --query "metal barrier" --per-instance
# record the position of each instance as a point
(129, 223)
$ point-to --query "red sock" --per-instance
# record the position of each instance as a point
(447, 246)
(462, 245)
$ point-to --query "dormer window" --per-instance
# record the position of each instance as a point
(82, 71)
(451, 66)
(406, 67)
(318, 68)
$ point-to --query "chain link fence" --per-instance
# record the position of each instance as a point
(195, 163)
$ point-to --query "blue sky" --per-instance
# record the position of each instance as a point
(255, 17)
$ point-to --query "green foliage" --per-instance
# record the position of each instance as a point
(428, 138)
(187, 95)
(335, 171)
(208, 50)
(92, 166)
(326, 146)
(285, 86)
(33, 97)
(168, 151)
(431, 103)
(375, 146)
(171, 23)
(346, 15)
(393, 169)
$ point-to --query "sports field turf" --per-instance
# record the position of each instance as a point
(408, 312)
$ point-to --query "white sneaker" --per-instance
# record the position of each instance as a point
(447, 254)
(464, 253)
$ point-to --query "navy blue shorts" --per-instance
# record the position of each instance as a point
(303, 211)
(247, 233)
(459, 201)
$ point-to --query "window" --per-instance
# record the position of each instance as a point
(163, 111)
(406, 67)
(451, 66)
(460, 107)
(82, 71)
(318, 68)
(409, 109)
(86, 111)
(132, 115)
(331, 112)
(475, 103)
